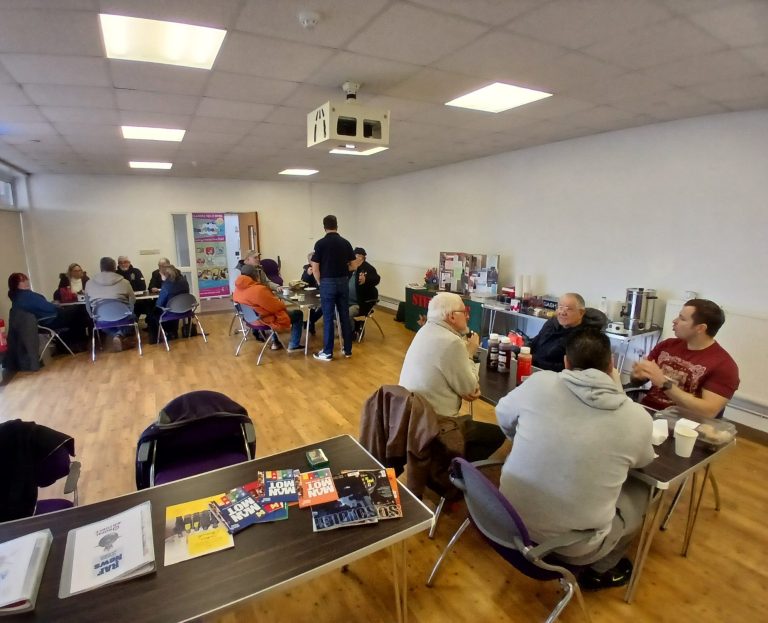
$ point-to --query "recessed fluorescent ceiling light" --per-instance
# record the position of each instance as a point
(497, 97)
(298, 172)
(351, 152)
(152, 134)
(134, 164)
(153, 41)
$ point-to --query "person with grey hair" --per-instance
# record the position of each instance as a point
(133, 275)
(438, 366)
(108, 285)
(548, 347)
(253, 258)
(156, 280)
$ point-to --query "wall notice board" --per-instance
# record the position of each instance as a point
(746, 339)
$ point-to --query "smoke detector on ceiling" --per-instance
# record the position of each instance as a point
(309, 19)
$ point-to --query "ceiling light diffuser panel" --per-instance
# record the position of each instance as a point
(152, 134)
(498, 97)
(154, 41)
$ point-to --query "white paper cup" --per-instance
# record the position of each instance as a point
(685, 439)
(660, 432)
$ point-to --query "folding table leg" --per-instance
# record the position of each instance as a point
(400, 580)
(647, 532)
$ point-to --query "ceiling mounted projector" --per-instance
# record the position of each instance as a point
(348, 127)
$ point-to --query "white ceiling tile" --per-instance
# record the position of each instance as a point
(666, 105)
(493, 12)
(12, 95)
(309, 97)
(92, 130)
(5, 77)
(654, 45)
(705, 68)
(414, 35)
(216, 124)
(68, 5)
(758, 55)
(158, 77)
(75, 33)
(502, 57)
(375, 75)
(689, 7)
(737, 24)
(436, 86)
(279, 18)
(578, 24)
(210, 138)
(150, 150)
(229, 109)
(149, 101)
(553, 107)
(242, 87)
(81, 115)
(70, 96)
(285, 115)
(399, 108)
(20, 114)
(49, 69)
(270, 58)
(272, 133)
(619, 88)
(212, 13)
(603, 118)
(146, 119)
(22, 132)
(728, 92)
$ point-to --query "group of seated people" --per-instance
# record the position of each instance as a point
(576, 433)
(256, 288)
(119, 281)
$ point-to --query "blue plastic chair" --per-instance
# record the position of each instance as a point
(504, 530)
(250, 322)
(112, 314)
(180, 307)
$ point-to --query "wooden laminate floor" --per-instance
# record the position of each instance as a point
(295, 400)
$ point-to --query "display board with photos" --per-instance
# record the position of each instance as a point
(468, 273)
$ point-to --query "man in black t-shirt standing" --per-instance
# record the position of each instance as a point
(332, 261)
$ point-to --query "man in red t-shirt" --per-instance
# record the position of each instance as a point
(690, 370)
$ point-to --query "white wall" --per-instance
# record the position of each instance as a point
(12, 258)
(81, 218)
(674, 206)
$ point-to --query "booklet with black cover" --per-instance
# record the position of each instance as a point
(353, 508)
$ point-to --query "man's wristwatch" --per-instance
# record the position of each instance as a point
(667, 385)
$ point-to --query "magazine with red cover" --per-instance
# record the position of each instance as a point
(316, 487)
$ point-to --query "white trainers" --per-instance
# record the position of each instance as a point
(117, 344)
(321, 356)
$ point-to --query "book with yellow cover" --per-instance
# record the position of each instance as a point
(192, 530)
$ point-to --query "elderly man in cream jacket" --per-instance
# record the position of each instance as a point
(438, 366)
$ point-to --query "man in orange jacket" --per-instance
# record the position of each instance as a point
(271, 309)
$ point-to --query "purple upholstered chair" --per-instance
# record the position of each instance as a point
(180, 307)
(272, 270)
(194, 433)
(56, 465)
(503, 529)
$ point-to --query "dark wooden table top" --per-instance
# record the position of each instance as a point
(311, 298)
(264, 557)
(494, 385)
(669, 468)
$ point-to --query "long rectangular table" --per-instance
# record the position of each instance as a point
(265, 558)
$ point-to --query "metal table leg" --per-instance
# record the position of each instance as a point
(647, 532)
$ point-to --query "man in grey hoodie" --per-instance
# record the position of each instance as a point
(576, 436)
(108, 285)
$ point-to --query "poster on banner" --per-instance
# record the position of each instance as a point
(210, 254)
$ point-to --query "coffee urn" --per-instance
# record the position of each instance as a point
(638, 309)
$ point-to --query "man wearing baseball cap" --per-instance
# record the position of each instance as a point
(362, 289)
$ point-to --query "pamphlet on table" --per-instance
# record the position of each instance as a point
(22, 561)
(192, 529)
(111, 550)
